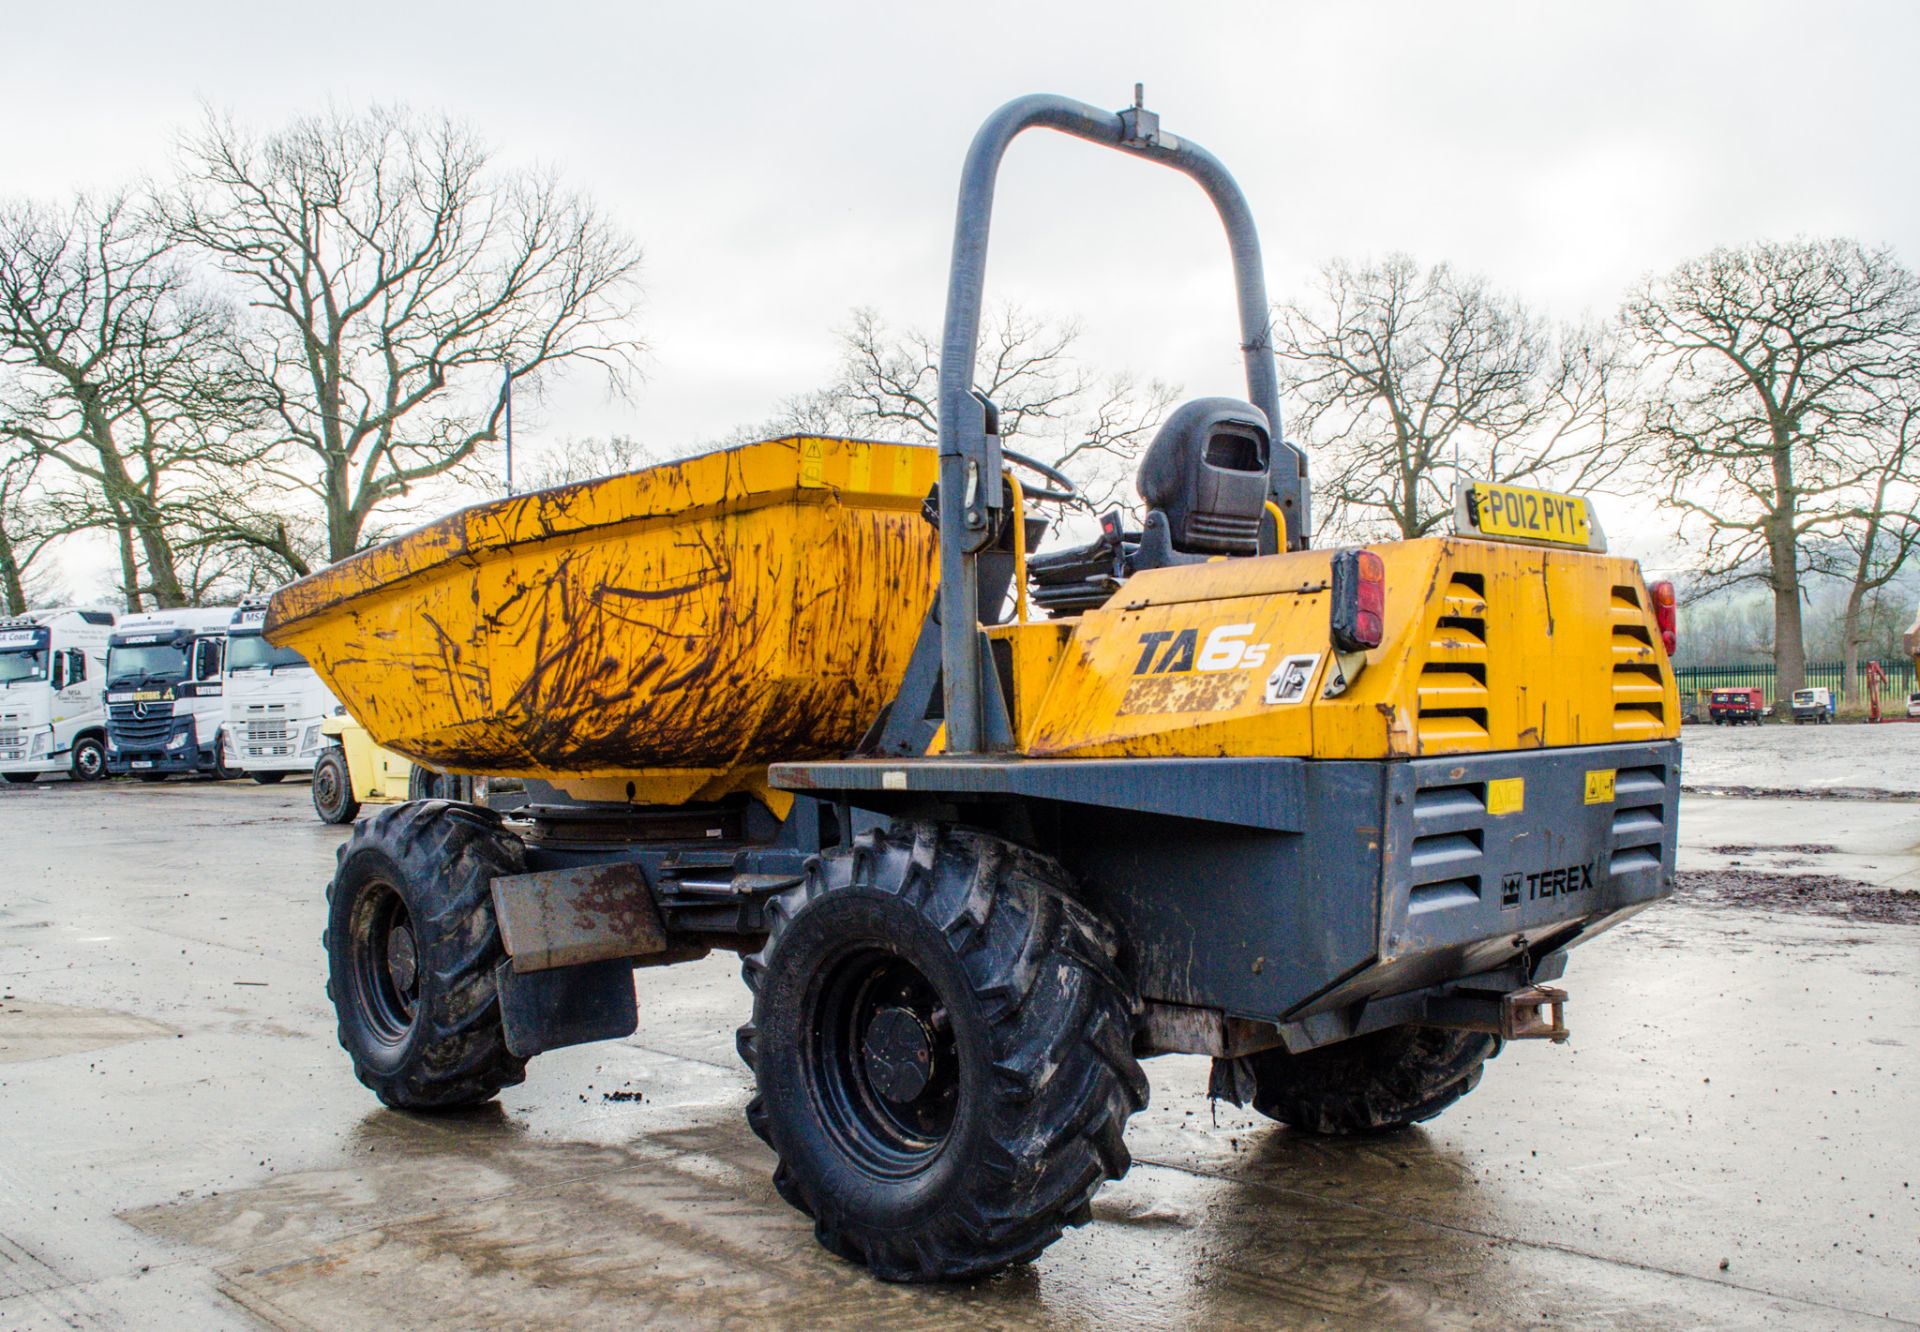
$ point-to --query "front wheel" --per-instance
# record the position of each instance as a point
(267, 778)
(333, 788)
(89, 762)
(942, 1046)
(1377, 1083)
(412, 944)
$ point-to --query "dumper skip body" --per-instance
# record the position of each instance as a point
(677, 629)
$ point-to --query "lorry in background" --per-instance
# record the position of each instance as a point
(53, 672)
(165, 707)
(275, 704)
(1813, 705)
(1732, 707)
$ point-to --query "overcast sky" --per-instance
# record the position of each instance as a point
(784, 163)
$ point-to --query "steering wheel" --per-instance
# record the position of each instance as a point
(1067, 492)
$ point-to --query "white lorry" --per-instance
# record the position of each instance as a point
(275, 702)
(165, 708)
(53, 674)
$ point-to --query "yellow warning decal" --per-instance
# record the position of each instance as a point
(1506, 795)
(1600, 786)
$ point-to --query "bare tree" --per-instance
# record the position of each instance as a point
(1407, 380)
(115, 367)
(1052, 405)
(585, 458)
(1771, 367)
(1884, 530)
(28, 527)
(401, 286)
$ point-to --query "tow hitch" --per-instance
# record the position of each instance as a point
(1531, 1013)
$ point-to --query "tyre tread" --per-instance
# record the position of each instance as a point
(1062, 1054)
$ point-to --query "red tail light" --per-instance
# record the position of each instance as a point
(1665, 615)
(1359, 600)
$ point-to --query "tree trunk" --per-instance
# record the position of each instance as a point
(1850, 635)
(129, 566)
(1789, 646)
(343, 525)
(1783, 553)
(11, 581)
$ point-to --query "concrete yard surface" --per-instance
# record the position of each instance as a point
(1731, 1139)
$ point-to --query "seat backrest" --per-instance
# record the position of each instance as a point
(1206, 471)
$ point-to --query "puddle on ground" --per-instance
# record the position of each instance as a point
(474, 1220)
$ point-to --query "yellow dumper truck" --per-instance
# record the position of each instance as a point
(992, 823)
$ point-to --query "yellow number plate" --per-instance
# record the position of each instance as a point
(1512, 513)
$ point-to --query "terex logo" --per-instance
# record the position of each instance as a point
(1561, 881)
(1163, 651)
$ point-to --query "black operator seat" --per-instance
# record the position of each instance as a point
(1205, 482)
(1206, 485)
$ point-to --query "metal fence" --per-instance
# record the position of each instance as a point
(1694, 680)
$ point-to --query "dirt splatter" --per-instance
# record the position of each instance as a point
(1798, 849)
(1800, 792)
(1806, 894)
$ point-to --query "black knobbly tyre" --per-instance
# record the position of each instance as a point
(333, 788)
(412, 944)
(942, 1046)
(1376, 1083)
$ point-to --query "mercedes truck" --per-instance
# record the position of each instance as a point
(53, 675)
(165, 709)
(275, 702)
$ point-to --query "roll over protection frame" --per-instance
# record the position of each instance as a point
(970, 456)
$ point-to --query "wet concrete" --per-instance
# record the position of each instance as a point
(1729, 1140)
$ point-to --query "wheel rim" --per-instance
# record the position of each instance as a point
(386, 963)
(89, 760)
(884, 1061)
(326, 787)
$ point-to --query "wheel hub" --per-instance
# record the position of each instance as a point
(403, 959)
(898, 1051)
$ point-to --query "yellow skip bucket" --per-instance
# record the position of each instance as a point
(678, 627)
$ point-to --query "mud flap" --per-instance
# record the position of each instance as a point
(544, 1010)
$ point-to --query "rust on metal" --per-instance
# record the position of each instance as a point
(563, 918)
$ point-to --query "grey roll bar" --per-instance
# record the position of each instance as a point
(970, 455)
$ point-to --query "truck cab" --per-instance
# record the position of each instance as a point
(275, 703)
(165, 708)
(52, 693)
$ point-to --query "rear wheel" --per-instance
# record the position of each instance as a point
(942, 1045)
(267, 778)
(1376, 1083)
(333, 788)
(21, 778)
(412, 944)
(152, 776)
